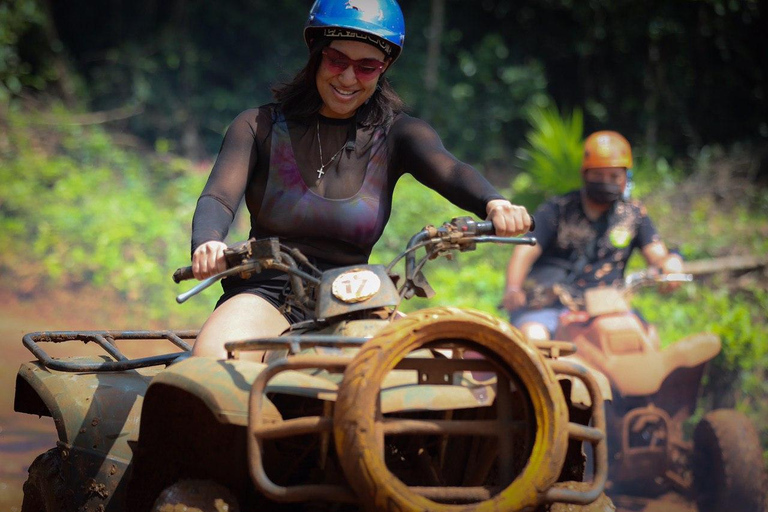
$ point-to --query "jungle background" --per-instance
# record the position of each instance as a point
(111, 114)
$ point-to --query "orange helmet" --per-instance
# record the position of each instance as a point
(606, 149)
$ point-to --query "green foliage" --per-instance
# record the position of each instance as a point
(479, 104)
(17, 19)
(193, 66)
(712, 211)
(736, 318)
(554, 151)
(80, 211)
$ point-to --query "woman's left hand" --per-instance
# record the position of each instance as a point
(508, 219)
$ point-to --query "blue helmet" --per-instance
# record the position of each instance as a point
(378, 22)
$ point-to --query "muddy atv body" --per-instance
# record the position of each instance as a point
(655, 392)
(444, 409)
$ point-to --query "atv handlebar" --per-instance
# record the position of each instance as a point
(462, 233)
(481, 228)
(253, 256)
(485, 227)
(540, 296)
(653, 276)
(183, 274)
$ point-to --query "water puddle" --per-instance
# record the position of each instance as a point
(22, 439)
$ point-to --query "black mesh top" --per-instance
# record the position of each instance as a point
(339, 217)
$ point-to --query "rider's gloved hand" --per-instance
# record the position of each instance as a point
(208, 259)
(508, 219)
(673, 264)
(514, 298)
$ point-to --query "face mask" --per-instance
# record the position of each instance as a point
(603, 193)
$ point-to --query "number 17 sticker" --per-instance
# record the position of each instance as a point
(356, 285)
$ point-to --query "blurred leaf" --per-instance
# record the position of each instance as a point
(554, 151)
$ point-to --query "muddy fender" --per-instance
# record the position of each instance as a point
(96, 417)
(92, 411)
(193, 425)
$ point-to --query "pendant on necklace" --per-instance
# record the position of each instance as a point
(321, 171)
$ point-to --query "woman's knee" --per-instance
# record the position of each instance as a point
(242, 317)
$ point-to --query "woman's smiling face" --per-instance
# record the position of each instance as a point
(343, 92)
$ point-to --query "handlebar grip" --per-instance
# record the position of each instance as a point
(183, 274)
(486, 227)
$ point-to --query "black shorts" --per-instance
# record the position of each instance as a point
(272, 286)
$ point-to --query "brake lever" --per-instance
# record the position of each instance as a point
(202, 285)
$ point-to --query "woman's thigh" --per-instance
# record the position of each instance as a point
(244, 316)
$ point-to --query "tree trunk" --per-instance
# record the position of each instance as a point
(60, 61)
(432, 66)
(191, 142)
(651, 103)
(728, 263)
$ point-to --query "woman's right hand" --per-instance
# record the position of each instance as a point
(208, 260)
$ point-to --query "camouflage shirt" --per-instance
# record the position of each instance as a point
(586, 253)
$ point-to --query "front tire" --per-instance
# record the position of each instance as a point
(357, 406)
(728, 468)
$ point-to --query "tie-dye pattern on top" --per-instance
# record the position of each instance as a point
(291, 210)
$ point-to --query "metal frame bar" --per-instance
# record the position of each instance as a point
(654, 412)
(294, 343)
(107, 340)
(257, 431)
(594, 435)
(323, 425)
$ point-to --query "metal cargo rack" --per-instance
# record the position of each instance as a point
(107, 340)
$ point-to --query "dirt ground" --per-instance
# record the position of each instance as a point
(23, 437)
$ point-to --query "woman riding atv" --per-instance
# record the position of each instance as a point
(585, 238)
(318, 168)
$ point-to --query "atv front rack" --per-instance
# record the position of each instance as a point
(107, 340)
(429, 371)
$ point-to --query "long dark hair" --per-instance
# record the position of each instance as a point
(300, 100)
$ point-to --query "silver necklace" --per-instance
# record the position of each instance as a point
(320, 171)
